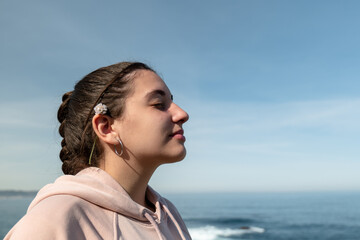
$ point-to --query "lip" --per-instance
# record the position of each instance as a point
(178, 135)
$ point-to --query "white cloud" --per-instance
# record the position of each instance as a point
(33, 113)
(217, 117)
(268, 147)
(272, 128)
(231, 146)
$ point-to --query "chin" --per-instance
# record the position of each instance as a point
(182, 156)
(176, 157)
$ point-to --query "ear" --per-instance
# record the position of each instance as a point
(102, 125)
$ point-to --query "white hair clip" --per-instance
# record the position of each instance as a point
(100, 109)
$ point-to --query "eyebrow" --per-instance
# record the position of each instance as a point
(158, 92)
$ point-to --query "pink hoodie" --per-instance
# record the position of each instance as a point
(92, 205)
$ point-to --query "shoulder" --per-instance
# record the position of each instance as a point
(60, 207)
(54, 217)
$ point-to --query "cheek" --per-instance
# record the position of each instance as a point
(144, 131)
(155, 131)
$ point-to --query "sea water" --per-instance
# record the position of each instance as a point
(271, 216)
(265, 216)
(11, 210)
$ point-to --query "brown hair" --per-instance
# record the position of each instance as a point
(109, 85)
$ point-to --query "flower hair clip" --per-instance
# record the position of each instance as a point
(100, 109)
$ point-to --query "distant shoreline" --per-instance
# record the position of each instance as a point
(16, 193)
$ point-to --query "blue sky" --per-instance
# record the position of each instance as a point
(271, 87)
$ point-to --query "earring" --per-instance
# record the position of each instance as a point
(122, 147)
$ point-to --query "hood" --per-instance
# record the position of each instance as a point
(98, 187)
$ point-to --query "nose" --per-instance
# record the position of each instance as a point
(178, 114)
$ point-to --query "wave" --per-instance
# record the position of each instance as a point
(213, 233)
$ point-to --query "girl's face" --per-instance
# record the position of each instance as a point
(151, 125)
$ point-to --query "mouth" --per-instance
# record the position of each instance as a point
(178, 135)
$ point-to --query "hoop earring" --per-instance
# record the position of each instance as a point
(122, 148)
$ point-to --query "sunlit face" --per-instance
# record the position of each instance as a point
(151, 126)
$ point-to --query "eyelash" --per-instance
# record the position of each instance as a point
(159, 105)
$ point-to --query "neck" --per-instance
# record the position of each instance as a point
(133, 179)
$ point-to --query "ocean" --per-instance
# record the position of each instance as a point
(265, 216)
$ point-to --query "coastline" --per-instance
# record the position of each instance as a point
(5, 194)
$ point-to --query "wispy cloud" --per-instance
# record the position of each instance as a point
(310, 130)
(230, 117)
(33, 113)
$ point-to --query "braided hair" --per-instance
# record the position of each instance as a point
(110, 85)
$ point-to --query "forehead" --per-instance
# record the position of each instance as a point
(147, 83)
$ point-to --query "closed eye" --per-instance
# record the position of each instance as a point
(160, 106)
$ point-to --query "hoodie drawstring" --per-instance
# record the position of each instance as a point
(115, 227)
(175, 222)
(152, 221)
